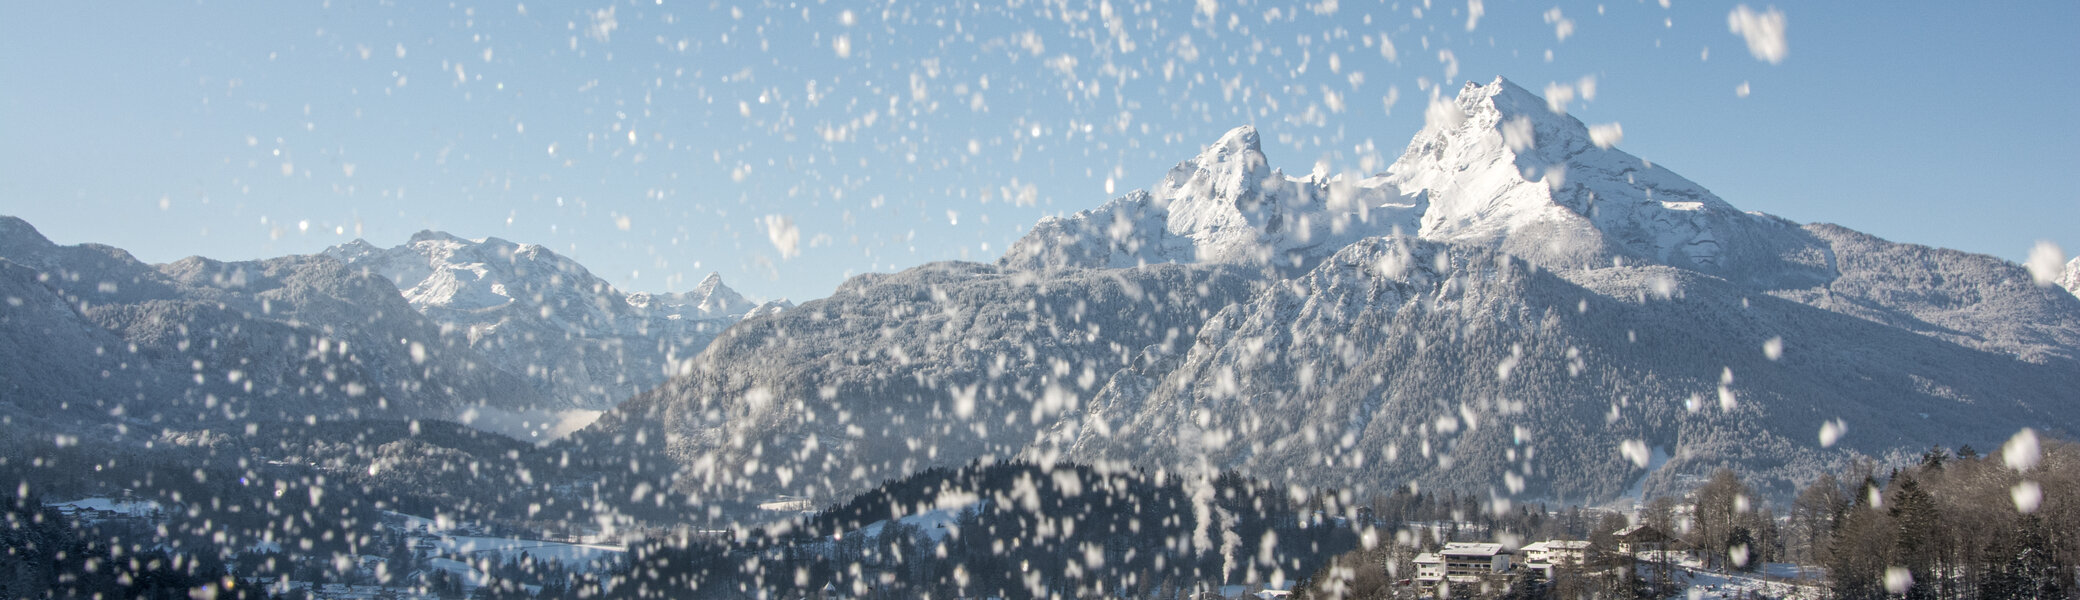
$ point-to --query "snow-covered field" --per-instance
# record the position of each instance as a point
(937, 523)
(136, 508)
(573, 556)
(1775, 580)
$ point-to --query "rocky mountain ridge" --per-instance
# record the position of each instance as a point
(545, 318)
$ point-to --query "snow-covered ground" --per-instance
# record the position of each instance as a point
(471, 577)
(573, 556)
(936, 523)
(1268, 591)
(134, 508)
(1774, 580)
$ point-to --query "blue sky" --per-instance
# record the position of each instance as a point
(658, 141)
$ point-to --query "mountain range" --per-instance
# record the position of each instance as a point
(1513, 306)
(507, 336)
(538, 315)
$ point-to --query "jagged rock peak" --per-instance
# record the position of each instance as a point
(713, 297)
(2071, 280)
(710, 283)
(1229, 172)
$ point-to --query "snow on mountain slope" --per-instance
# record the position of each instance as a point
(100, 336)
(2071, 280)
(1506, 172)
(1976, 300)
(1516, 175)
(932, 366)
(1224, 206)
(1459, 367)
(543, 317)
(1502, 169)
(709, 300)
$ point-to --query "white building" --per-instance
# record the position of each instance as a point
(1544, 556)
(1461, 562)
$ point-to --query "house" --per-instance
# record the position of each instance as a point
(1544, 556)
(1461, 562)
(1646, 538)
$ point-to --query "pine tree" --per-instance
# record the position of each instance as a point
(1915, 542)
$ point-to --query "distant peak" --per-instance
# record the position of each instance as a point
(712, 281)
(428, 235)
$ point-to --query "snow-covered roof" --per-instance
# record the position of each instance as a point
(1427, 558)
(1472, 549)
(1641, 530)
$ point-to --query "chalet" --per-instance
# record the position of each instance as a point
(1461, 562)
(1646, 538)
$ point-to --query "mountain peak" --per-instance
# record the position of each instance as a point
(428, 235)
(1230, 172)
(1518, 174)
(709, 283)
(1225, 205)
(1505, 97)
(712, 297)
(1238, 140)
(15, 231)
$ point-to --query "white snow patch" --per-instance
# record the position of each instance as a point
(936, 523)
(1764, 31)
(1636, 451)
(1607, 135)
(2047, 263)
(1832, 431)
(130, 508)
(2027, 495)
(2022, 451)
(537, 425)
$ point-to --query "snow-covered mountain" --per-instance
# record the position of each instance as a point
(1554, 313)
(91, 334)
(1510, 173)
(1224, 206)
(545, 318)
(1457, 366)
(934, 365)
(1502, 170)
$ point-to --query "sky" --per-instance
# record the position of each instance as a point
(789, 145)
